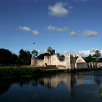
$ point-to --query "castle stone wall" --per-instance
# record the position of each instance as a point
(33, 61)
(47, 60)
(99, 65)
(40, 63)
(81, 65)
(70, 62)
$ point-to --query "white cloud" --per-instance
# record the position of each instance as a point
(93, 50)
(57, 29)
(85, 53)
(34, 32)
(65, 52)
(90, 33)
(25, 28)
(58, 10)
(73, 34)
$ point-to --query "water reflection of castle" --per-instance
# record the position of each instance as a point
(52, 81)
(55, 80)
(70, 80)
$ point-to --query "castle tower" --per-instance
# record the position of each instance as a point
(70, 61)
(33, 61)
(47, 60)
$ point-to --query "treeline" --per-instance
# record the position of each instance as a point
(24, 57)
(9, 58)
(96, 57)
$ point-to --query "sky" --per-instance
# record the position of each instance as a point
(65, 25)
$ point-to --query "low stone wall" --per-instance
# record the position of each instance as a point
(95, 65)
(99, 65)
(92, 65)
(81, 65)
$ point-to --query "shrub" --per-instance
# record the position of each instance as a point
(101, 91)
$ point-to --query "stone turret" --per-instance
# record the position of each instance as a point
(33, 61)
(70, 61)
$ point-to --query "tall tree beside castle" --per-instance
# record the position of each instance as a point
(50, 51)
(97, 54)
(24, 57)
(7, 57)
(60, 57)
(34, 53)
(89, 59)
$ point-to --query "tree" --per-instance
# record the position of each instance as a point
(24, 57)
(50, 51)
(35, 53)
(97, 54)
(14, 59)
(60, 57)
(89, 59)
(41, 56)
(29, 55)
(7, 57)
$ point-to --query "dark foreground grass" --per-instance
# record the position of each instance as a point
(101, 91)
(25, 71)
(18, 71)
(32, 71)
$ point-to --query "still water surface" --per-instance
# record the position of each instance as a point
(61, 87)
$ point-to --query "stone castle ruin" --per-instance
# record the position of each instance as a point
(69, 62)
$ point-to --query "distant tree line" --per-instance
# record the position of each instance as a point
(24, 57)
(94, 58)
(9, 58)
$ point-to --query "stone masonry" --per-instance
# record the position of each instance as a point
(70, 62)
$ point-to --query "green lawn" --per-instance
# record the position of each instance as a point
(24, 71)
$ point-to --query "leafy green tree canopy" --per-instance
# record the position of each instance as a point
(50, 51)
(41, 56)
(89, 59)
(60, 57)
(97, 54)
(24, 57)
(7, 57)
(35, 53)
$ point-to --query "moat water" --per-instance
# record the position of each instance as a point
(61, 87)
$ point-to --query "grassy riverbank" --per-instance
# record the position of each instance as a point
(32, 71)
(101, 91)
(25, 71)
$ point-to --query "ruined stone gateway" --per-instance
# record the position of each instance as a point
(69, 62)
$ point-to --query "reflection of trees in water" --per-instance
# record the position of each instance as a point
(35, 83)
(98, 79)
(50, 81)
(5, 84)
